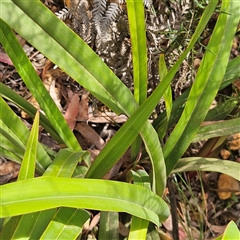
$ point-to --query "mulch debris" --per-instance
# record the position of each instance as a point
(205, 203)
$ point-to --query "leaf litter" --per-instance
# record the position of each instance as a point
(205, 203)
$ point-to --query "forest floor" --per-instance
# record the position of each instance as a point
(205, 201)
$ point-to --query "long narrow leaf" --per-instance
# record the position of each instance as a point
(27, 107)
(27, 169)
(206, 85)
(140, 116)
(34, 224)
(35, 85)
(108, 226)
(217, 129)
(67, 224)
(208, 164)
(167, 97)
(138, 229)
(136, 18)
(18, 134)
(49, 192)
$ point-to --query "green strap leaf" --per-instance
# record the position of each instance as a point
(34, 224)
(108, 226)
(139, 227)
(208, 164)
(66, 224)
(28, 108)
(18, 134)
(207, 83)
(50, 192)
(217, 129)
(27, 169)
(35, 85)
(136, 18)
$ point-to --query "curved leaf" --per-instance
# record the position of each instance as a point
(27, 169)
(17, 134)
(136, 20)
(35, 85)
(217, 129)
(208, 164)
(50, 192)
(207, 83)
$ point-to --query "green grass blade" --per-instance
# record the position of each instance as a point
(101, 82)
(5, 150)
(50, 192)
(136, 18)
(206, 85)
(231, 231)
(35, 85)
(232, 73)
(223, 110)
(119, 142)
(139, 227)
(155, 153)
(108, 226)
(77, 59)
(18, 134)
(65, 163)
(11, 141)
(33, 225)
(27, 107)
(66, 224)
(208, 164)
(167, 97)
(27, 169)
(217, 129)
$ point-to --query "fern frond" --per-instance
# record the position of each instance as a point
(99, 7)
(63, 14)
(110, 15)
(148, 3)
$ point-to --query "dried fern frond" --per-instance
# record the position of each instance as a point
(63, 14)
(148, 3)
(99, 7)
(110, 16)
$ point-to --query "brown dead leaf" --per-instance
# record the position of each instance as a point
(234, 142)
(48, 65)
(115, 169)
(90, 135)
(168, 225)
(55, 93)
(4, 58)
(216, 228)
(8, 170)
(237, 84)
(88, 226)
(72, 111)
(226, 186)
(83, 107)
(107, 117)
(225, 154)
(123, 230)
